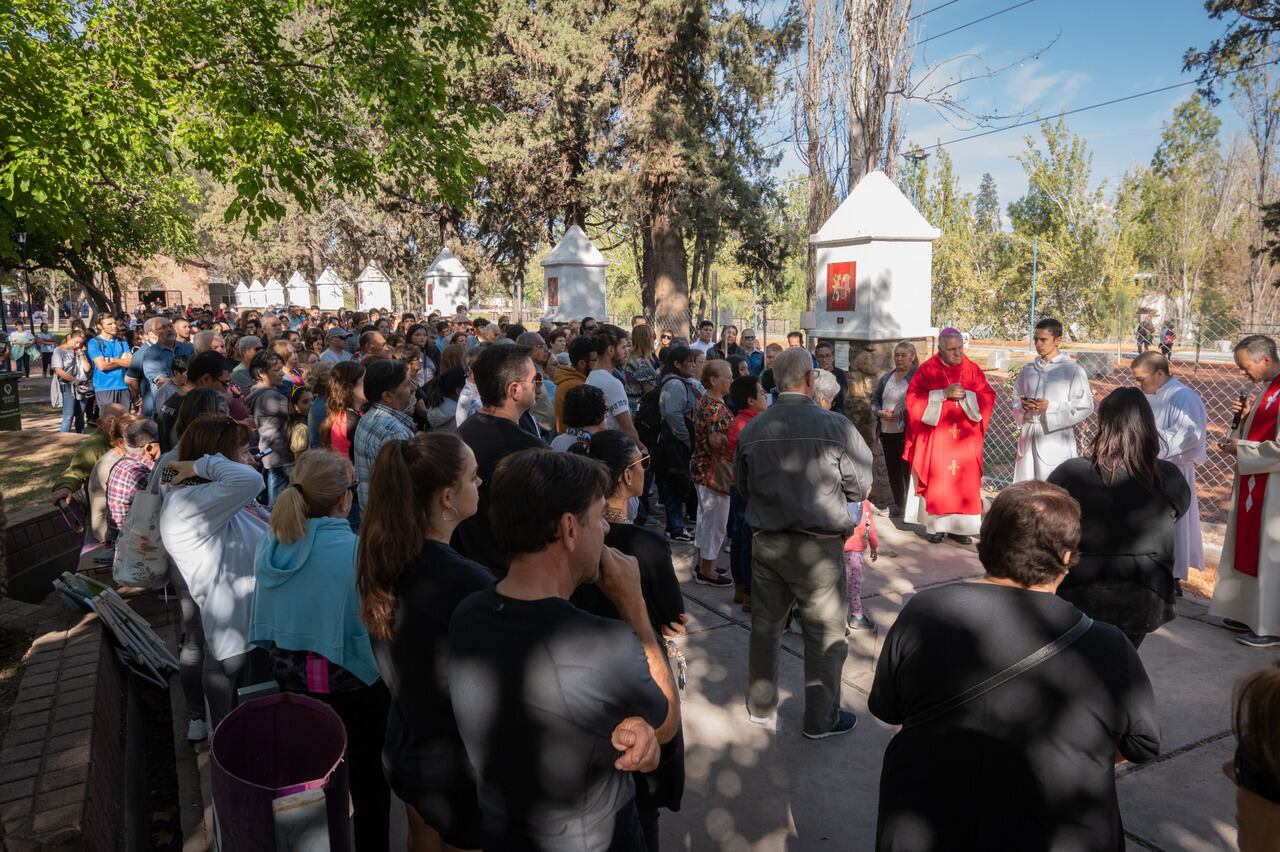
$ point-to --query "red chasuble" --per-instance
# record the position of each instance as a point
(1253, 487)
(947, 458)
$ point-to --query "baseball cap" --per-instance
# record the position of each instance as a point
(337, 331)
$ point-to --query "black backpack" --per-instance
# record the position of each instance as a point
(649, 414)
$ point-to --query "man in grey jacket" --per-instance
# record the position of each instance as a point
(798, 467)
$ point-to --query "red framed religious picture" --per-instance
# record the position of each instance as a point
(553, 292)
(841, 283)
(431, 293)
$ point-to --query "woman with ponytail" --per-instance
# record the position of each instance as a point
(343, 404)
(664, 787)
(306, 614)
(410, 582)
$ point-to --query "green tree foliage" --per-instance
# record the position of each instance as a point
(1181, 206)
(105, 109)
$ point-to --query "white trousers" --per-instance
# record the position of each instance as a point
(713, 521)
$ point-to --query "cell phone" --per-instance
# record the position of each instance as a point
(261, 454)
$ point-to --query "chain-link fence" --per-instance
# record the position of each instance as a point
(1204, 365)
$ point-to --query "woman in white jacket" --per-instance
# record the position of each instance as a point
(211, 527)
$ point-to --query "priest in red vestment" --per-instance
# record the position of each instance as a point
(949, 406)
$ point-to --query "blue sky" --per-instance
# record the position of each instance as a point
(1103, 50)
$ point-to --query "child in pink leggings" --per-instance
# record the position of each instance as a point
(864, 533)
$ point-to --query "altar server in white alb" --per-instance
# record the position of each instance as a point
(1181, 422)
(1051, 395)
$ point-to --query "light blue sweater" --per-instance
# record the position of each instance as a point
(306, 597)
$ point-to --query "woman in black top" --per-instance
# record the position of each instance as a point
(410, 582)
(1028, 763)
(1129, 504)
(664, 787)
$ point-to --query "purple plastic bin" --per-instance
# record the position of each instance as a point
(271, 747)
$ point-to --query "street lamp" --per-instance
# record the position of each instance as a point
(916, 157)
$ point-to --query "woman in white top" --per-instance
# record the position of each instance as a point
(211, 526)
(889, 402)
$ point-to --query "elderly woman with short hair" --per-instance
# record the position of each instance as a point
(1014, 705)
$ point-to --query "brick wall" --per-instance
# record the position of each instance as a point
(39, 547)
(62, 762)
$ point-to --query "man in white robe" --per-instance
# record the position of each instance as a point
(1183, 427)
(1051, 395)
(1247, 596)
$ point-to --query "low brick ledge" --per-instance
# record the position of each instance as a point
(61, 763)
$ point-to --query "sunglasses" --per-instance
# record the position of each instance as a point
(643, 461)
(1255, 780)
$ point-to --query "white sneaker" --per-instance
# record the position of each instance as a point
(197, 730)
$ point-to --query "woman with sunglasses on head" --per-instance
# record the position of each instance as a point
(664, 787)
(306, 615)
(1255, 769)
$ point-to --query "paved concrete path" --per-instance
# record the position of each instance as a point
(750, 789)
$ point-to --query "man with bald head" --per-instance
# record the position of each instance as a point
(152, 365)
(798, 467)
(949, 406)
(1183, 426)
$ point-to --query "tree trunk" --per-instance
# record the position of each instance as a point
(666, 264)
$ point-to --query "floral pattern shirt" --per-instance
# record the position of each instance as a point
(710, 417)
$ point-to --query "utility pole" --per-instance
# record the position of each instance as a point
(1031, 332)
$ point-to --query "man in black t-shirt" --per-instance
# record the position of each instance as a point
(506, 380)
(557, 706)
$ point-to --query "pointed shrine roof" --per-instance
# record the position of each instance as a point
(328, 278)
(372, 274)
(575, 250)
(876, 209)
(447, 265)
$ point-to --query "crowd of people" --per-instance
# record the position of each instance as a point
(448, 531)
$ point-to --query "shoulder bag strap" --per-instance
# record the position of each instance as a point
(1027, 663)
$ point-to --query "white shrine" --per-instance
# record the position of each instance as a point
(273, 292)
(257, 294)
(373, 289)
(448, 284)
(574, 279)
(329, 289)
(874, 267)
(241, 296)
(298, 291)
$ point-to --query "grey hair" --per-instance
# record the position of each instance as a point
(153, 324)
(825, 385)
(248, 342)
(531, 339)
(1258, 346)
(790, 367)
(139, 433)
(203, 340)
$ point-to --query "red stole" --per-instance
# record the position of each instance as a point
(1253, 487)
(947, 458)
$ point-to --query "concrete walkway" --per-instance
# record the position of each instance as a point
(750, 789)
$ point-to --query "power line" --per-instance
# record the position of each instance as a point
(1111, 102)
(978, 21)
(998, 12)
(934, 9)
